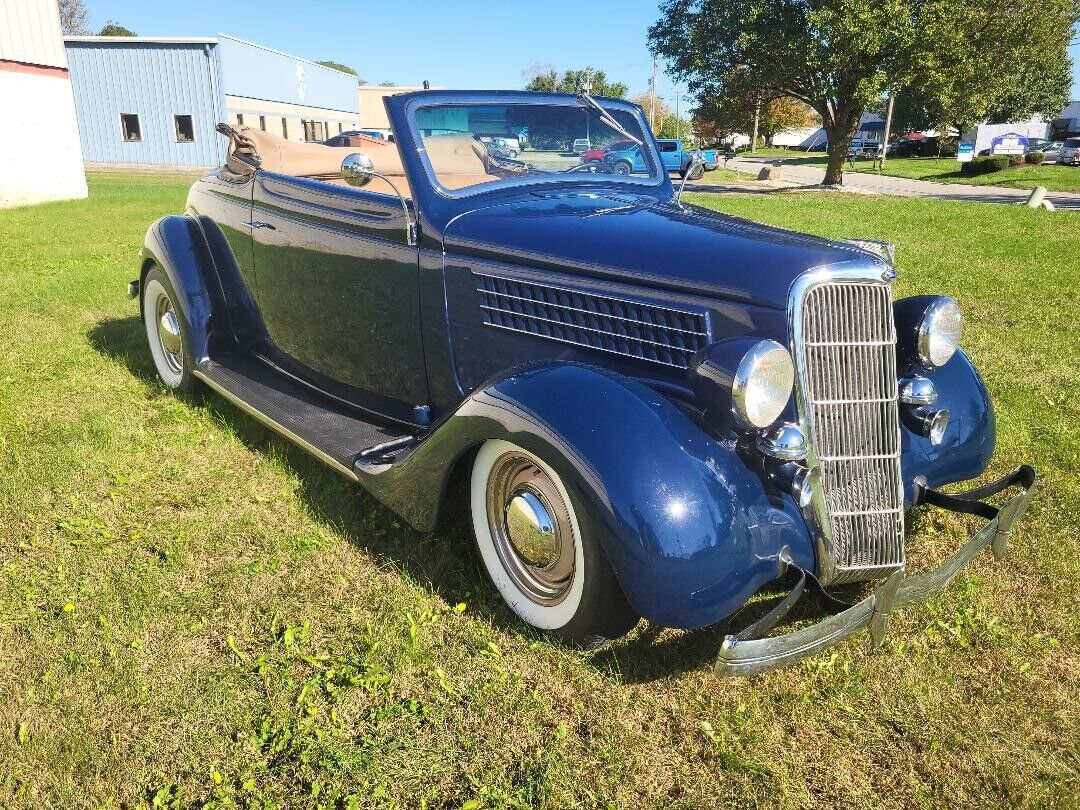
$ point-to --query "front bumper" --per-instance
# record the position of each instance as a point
(746, 653)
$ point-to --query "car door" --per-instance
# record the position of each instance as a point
(670, 155)
(337, 288)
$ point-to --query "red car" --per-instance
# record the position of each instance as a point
(597, 155)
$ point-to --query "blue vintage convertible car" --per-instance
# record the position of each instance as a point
(657, 410)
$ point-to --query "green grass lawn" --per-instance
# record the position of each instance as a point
(947, 170)
(194, 613)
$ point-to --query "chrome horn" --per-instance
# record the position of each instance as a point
(358, 170)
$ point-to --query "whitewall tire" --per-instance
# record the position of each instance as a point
(540, 549)
(166, 333)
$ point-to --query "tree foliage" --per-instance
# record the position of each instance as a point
(330, 63)
(545, 78)
(839, 56)
(114, 29)
(73, 18)
(721, 116)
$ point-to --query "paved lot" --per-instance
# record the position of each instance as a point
(868, 183)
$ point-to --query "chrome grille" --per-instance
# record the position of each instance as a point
(649, 332)
(848, 384)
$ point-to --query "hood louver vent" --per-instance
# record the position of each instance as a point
(656, 334)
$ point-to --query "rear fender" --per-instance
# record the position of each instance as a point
(176, 245)
(690, 530)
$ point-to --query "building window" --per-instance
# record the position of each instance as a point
(285, 128)
(185, 128)
(239, 119)
(129, 127)
(313, 130)
(262, 123)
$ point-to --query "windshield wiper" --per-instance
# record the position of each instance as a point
(605, 116)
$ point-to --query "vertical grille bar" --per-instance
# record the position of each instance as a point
(849, 387)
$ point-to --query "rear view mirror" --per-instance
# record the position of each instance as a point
(357, 169)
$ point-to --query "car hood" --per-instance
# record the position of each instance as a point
(658, 243)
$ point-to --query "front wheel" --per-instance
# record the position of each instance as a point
(541, 550)
(622, 168)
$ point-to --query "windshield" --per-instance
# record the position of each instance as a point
(467, 144)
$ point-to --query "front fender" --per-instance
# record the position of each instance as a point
(176, 245)
(969, 439)
(690, 530)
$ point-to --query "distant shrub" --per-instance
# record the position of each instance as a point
(1016, 160)
(985, 165)
(1034, 158)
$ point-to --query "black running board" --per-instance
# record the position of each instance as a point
(327, 430)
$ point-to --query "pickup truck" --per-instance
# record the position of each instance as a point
(672, 154)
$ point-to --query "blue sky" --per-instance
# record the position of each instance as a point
(480, 44)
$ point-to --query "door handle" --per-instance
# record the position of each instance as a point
(257, 224)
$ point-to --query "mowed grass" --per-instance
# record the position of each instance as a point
(193, 613)
(946, 170)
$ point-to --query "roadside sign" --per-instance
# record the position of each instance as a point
(965, 152)
(1011, 143)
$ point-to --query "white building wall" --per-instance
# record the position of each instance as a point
(30, 33)
(40, 154)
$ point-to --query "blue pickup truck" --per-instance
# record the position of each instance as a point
(674, 157)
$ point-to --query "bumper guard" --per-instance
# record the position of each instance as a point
(747, 653)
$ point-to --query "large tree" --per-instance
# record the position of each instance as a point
(546, 79)
(839, 56)
(73, 18)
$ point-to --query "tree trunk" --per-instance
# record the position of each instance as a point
(842, 129)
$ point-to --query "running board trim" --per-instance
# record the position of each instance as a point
(277, 428)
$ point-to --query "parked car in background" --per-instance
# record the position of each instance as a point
(1069, 155)
(356, 138)
(673, 156)
(581, 146)
(1051, 150)
(914, 147)
(644, 408)
(502, 147)
(596, 156)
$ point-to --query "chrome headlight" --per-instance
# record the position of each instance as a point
(762, 384)
(938, 334)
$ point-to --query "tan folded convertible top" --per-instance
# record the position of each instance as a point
(458, 160)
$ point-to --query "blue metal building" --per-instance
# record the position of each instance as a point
(156, 101)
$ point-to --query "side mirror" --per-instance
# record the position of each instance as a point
(357, 169)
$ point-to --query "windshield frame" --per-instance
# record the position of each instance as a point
(656, 179)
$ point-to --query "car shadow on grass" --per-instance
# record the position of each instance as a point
(443, 562)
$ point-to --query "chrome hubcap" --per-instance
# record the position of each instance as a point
(169, 333)
(531, 528)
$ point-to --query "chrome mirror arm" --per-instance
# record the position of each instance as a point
(695, 160)
(358, 170)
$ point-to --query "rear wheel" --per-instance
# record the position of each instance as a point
(169, 341)
(541, 550)
(622, 168)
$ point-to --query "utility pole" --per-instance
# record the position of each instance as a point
(888, 127)
(652, 84)
(757, 119)
(678, 121)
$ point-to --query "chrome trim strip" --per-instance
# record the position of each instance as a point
(589, 311)
(502, 311)
(277, 428)
(609, 297)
